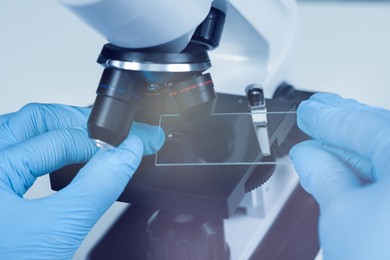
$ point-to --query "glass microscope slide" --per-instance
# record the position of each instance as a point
(228, 139)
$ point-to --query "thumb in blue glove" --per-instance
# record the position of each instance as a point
(40, 139)
(346, 167)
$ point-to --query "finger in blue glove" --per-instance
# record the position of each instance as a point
(346, 168)
(40, 139)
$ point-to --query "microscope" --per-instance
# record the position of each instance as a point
(157, 69)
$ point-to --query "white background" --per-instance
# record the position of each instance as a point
(48, 55)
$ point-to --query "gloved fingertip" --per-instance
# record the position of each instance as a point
(154, 141)
(296, 150)
(160, 139)
(303, 106)
(132, 149)
(131, 142)
(153, 137)
(324, 97)
(302, 159)
(312, 116)
(303, 111)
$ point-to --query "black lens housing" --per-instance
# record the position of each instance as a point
(128, 73)
(194, 97)
(112, 114)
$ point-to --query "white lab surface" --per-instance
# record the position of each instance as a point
(48, 56)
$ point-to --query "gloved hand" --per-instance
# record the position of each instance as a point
(347, 169)
(40, 139)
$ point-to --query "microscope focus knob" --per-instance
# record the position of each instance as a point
(259, 176)
(176, 236)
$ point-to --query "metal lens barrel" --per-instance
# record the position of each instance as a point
(114, 108)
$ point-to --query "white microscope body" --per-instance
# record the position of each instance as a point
(256, 41)
(254, 49)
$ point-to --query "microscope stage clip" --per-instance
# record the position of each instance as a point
(255, 95)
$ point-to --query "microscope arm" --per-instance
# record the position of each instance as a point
(165, 24)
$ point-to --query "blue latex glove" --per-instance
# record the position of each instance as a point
(347, 169)
(40, 139)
